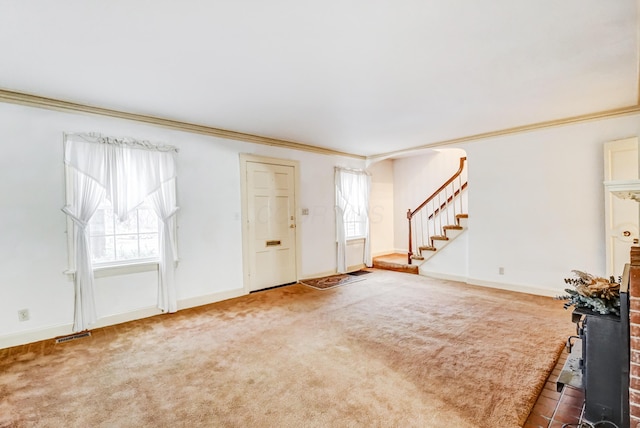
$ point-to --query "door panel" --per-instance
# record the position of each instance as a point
(271, 225)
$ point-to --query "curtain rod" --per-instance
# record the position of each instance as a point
(342, 168)
(95, 137)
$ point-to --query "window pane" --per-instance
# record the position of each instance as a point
(130, 225)
(147, 220)
(101, 223)
(149, 245)
(102, 249)
(135, 238)
(109, 223)
(126, 247)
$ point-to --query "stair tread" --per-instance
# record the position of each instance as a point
(439, 238)
(462, 215)
(416, 257)
(389, 263)
(452, 227)
(427, 248)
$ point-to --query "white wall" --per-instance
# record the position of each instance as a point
(382, 211)
(536, 204)
(33, 251)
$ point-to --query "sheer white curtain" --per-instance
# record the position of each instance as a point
(164, 204)
(126, 172)
(352, 196)
(82, 203)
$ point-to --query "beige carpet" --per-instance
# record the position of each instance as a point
(396, 350)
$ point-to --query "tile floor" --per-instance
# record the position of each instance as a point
(554, 409)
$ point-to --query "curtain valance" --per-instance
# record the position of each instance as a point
(117, 163)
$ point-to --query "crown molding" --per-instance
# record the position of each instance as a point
(67, 106)
(607, 114)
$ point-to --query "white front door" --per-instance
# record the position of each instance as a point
(271, 224)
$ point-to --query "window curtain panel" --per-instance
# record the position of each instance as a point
(352, 192)
(104, 166)
(164, 204)
(83, 202)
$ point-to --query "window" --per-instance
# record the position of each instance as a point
(139, 178)
(355, 222)
(352, 219)
(353, 190)
(134, 240)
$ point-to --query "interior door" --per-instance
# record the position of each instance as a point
(271, 224)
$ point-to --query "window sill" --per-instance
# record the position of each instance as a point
(125, 269)
(356, 240)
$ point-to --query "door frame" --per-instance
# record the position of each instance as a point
(244, 159)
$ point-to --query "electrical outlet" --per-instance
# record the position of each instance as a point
(501, 270)
(23, 315)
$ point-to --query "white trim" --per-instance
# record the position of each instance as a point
(36, 335)
(125, 268)
(491, 284)
(356, 240)
(207, 299)
(457, 278)
(355, 268)
(514, 287)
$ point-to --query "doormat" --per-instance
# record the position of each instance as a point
(359, 272)
(332, 281)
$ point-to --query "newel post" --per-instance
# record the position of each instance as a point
(410, 247)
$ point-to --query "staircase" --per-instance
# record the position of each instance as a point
(437, 242)
(433, 225)
(396, 262)
(439, 219)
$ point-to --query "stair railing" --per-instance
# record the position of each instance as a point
(443, 205)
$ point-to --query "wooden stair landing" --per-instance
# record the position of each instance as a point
(396, 262)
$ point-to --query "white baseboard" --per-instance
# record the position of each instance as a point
(37, 335)
(538, 291)
(514, 287)
(446, 276)
(211, 298)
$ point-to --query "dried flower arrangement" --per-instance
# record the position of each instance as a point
(591, 292)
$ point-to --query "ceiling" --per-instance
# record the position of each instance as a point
(364, 77)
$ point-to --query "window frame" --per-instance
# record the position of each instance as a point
(131, 261)
(353, 218)
(101, 270)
